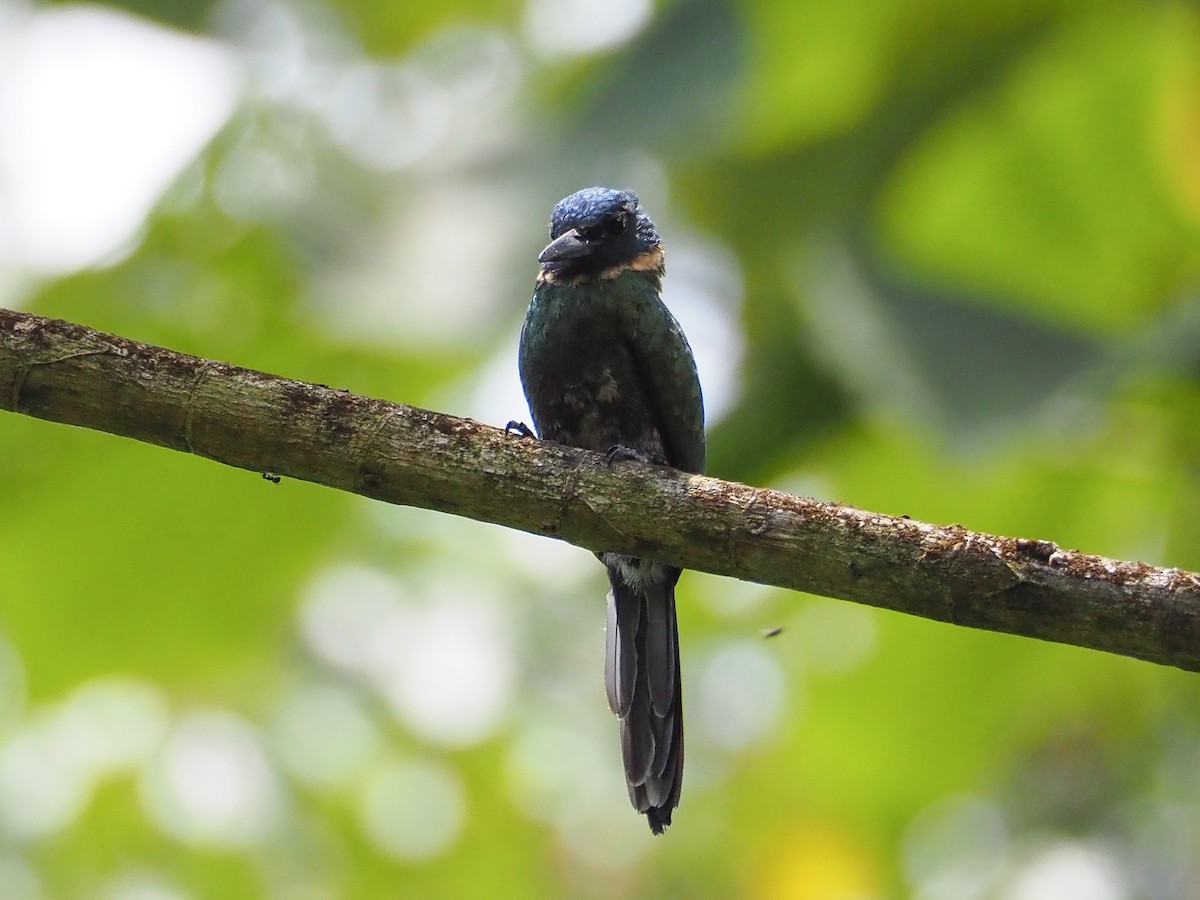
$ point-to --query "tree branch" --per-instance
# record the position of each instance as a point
(68, 373)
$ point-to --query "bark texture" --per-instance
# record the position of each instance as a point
(67, 373)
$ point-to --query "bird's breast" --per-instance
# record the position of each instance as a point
(581, 376)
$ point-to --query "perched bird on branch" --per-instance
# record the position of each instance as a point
(606, 367)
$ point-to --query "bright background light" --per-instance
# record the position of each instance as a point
(99, 112)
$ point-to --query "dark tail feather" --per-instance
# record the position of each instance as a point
(641, 676)
(620, 652)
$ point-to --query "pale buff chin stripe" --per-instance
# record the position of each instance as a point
(650, 261)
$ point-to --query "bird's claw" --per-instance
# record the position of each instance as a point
(519, 428)
(620, 452)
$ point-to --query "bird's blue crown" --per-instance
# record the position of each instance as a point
(590, 207)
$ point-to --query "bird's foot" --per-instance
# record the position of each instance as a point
(519, 428)
(620, 452)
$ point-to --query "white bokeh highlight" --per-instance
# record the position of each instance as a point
(434, 272)
(212, 784)
(413, 810)
(564, 770)
(323, 736)
(99, 112)
(563, 28)
(737, 695)
(441, 656)
(41, 793)
(956, 849)
(110, 725)
(141, 884)
(1068, 868)
(51, 763)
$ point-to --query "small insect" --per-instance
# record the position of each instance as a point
(271, 477)
(772, 632)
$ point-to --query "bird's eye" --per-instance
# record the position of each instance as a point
(616, 226)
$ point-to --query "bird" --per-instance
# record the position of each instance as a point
(605, 366)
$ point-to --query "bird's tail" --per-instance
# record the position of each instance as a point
(641, 677)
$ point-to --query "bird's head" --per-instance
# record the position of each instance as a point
(599, 233)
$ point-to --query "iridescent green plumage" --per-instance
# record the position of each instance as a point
(618, 322)
(605, 366)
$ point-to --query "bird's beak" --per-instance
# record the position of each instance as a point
(568, 245)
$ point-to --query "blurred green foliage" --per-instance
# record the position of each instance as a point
(967, 239)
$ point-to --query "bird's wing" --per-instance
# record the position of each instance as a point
(666, 365)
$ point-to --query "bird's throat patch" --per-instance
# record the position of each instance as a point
(651, 260)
